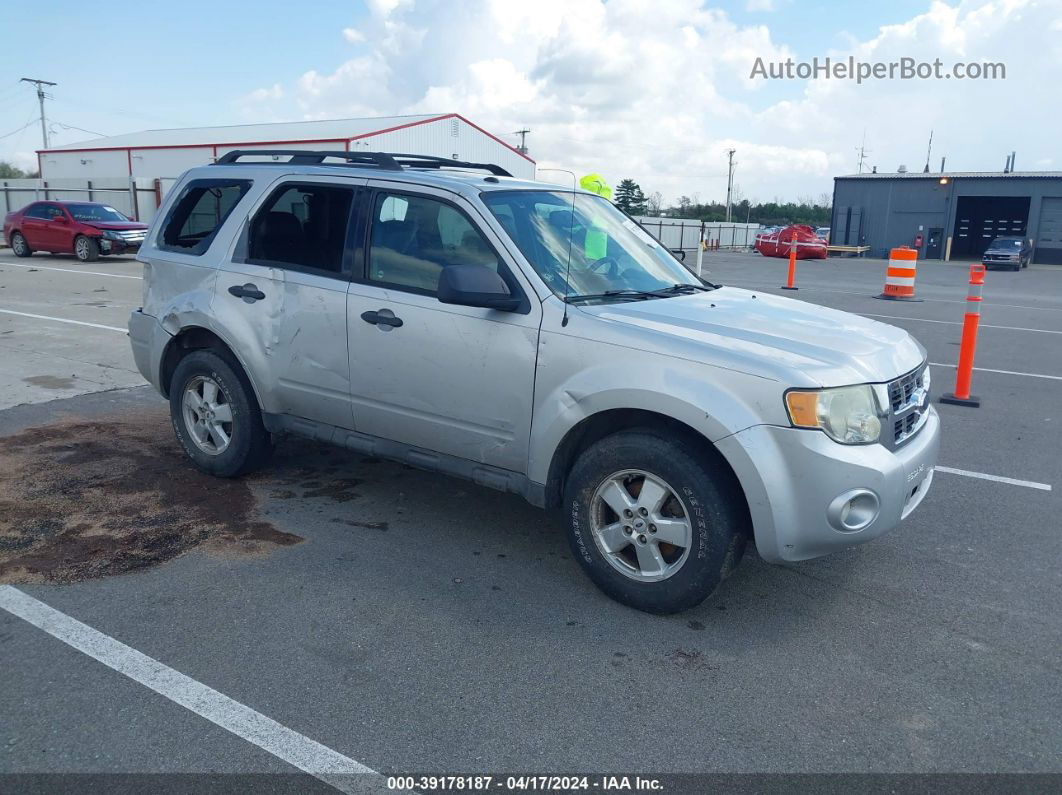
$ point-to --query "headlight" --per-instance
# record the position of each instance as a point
(849, 414)
(110, 234)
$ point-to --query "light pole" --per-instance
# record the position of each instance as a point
(729, 180)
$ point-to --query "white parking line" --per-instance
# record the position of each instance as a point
(1004, 372)
(296, 749)
(958, 323)
(71, 270)
(1029, 484)
(62, 320)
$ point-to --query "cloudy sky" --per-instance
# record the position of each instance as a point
(656, 90)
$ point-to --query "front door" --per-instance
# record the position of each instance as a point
(451, 379)
(287, 284)
(934, 245)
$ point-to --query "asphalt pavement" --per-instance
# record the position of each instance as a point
(420, 624)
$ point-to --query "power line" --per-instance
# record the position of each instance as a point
(79, 129)
(20, 129)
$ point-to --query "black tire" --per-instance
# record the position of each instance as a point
(20, 246)
(719, 533)
(1016, 268)
(86, 249)
(250, 444)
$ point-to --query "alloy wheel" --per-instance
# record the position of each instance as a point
(641, 525)
(207, 415)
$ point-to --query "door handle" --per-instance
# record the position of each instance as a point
(248, 292)
(378, 319)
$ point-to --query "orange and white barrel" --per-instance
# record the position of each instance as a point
(900, 275)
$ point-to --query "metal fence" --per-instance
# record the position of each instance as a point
(137, 197)
(686, 233)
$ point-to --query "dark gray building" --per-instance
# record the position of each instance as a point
(955, 214)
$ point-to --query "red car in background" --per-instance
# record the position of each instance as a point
(84, 229)
(778, 243)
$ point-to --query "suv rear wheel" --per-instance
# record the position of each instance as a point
(216, 417)
(19, 245)
(655, 524)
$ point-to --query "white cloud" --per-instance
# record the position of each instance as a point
(353, 35)
(659, 89)
(759, 5)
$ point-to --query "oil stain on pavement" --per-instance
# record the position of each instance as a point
(82, 499)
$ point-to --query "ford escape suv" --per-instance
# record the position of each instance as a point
(531, 339)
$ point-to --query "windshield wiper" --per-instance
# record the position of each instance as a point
(680, 289)
(632, 294)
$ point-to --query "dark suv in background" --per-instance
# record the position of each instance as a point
(1008, 252)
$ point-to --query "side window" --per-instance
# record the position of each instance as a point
(414, 238)
(55, 212)
(199, 211)
(304, 226)
(38, 211)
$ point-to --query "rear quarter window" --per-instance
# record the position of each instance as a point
(198, 213)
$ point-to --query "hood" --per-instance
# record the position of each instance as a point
(116, 225)
(770, 335)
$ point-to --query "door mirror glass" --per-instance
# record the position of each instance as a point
(475, 285)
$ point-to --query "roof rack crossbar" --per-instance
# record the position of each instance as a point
(311, 157)
(382, 160)
(430, 161)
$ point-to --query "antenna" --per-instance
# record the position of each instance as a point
(862, 149)
(571, 234)
(929, 151)
(522, 148)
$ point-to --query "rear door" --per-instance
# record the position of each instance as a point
(287, 283)
(452, 379)
(34, 226)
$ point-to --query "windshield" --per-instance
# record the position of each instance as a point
(94, 212)
(1005, 242)
(609, 251)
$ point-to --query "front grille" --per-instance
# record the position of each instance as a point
(132, 235)
(909, 399)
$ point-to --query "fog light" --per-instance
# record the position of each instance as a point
(854, 510)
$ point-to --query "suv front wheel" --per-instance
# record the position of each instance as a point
(216, 416)
(656, 524)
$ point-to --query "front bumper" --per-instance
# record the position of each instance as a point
(108, 246)
(797, 483)
(148, 340)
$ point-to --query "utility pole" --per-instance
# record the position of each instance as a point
(40, 98)
(729, 181)
(522, 148)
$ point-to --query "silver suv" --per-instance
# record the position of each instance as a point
(534, 340)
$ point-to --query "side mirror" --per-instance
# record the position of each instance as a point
(59, 219)
(475, 285)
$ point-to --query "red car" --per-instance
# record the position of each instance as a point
(84, 229)
(799, 236)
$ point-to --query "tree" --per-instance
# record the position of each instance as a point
(629, 198)
(654, 202)
(8, 171)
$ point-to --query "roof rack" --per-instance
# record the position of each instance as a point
(304, 157)
(382, 160)
(430, 161)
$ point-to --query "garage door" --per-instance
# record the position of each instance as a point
(1049, 242)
